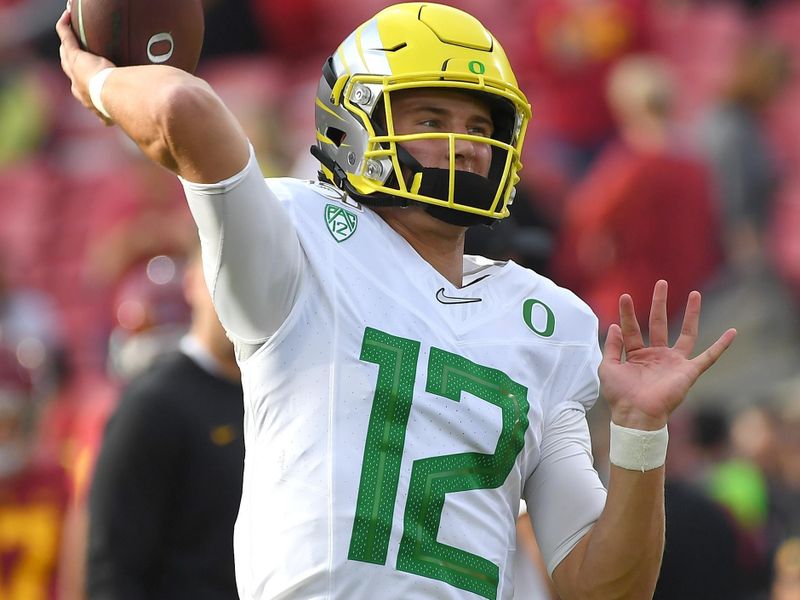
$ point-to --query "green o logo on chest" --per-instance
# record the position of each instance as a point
(539, 317)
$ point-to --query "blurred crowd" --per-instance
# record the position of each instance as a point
(665, 143)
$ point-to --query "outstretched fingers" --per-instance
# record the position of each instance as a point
(713, 352)
(658, 325)
(612, 349)
(691, 324)
(629, 325)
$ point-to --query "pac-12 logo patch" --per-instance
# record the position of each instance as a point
(341, 223)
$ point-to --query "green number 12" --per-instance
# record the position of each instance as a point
(431, 478)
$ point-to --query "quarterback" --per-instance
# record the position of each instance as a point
(401, 397)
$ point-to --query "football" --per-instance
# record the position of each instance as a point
(141, 32)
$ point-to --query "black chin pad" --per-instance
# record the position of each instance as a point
(470, 190)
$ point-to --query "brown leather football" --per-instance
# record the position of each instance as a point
(141, 32)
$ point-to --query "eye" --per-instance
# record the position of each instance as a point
(432, 123)
(481, 131)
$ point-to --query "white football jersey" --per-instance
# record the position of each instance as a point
(393, 421)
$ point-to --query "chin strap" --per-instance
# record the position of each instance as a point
(470, 189)
(339, 175)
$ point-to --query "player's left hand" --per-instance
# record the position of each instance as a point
(644, 384)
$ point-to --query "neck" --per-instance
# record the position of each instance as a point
(440, 244)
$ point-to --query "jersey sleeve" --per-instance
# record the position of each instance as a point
(564, 493)
(252, 257)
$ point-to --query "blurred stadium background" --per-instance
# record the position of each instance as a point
(665, 143)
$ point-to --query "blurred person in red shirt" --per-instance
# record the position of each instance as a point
(34, 493)
(643, 186)
(564, 61)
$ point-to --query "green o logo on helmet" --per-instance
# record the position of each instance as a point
(477, 67)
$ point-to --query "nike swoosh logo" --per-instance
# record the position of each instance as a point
(445, 299)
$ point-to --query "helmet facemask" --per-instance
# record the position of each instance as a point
(362, 153)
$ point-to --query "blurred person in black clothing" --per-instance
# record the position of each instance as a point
(701, 550)
(707, 555)
(167, 484)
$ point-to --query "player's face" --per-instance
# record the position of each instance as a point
(444, 111)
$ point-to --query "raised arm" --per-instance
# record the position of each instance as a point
(175, 118)
(252, 258)
(620, 556)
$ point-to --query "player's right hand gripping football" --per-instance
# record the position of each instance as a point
(78, 64)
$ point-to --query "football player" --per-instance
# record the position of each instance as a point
(401, 397)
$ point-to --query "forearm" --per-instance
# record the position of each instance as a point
(621, 556)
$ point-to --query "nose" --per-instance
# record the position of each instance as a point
(465, 154)
(470, 156)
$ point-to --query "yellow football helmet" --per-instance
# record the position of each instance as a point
(408, 46)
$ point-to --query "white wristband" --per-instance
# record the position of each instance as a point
(638, 450)
(96, 84)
